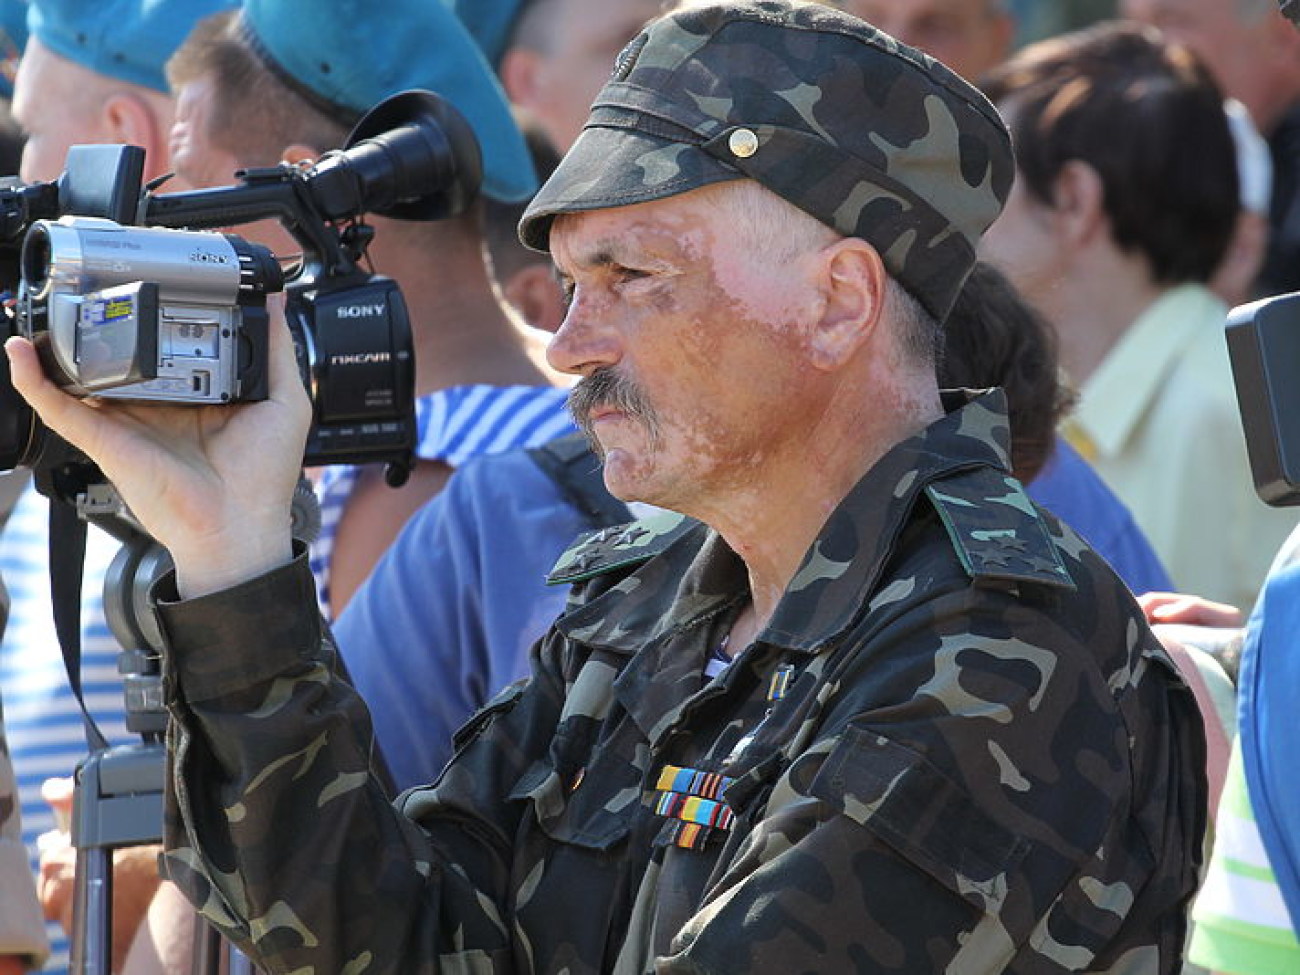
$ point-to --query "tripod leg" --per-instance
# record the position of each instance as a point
(92, 904)
(207, 949)
(238, 963)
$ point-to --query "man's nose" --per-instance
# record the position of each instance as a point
(586, 340)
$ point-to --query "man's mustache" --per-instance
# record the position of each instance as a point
(606, 387)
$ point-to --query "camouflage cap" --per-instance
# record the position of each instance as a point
(872, 137)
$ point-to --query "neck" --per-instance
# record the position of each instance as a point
(462, 332)
(1094, 305)
(775, 516)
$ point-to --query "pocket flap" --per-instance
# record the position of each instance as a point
(570, 814)
(922, 814)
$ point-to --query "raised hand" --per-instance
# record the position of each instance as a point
(212, 484)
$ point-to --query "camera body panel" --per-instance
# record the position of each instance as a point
(355, 351)
(147, 314)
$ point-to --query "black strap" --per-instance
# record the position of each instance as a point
(67, 564)
(570, 463)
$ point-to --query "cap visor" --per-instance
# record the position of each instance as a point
(614, 167)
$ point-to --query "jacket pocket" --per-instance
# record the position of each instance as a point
(926, 817)
(568, 813)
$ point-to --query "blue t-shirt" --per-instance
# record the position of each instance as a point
(449, 613)
(454, 425)
(1074, 492)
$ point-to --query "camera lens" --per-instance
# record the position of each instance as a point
(35, 261)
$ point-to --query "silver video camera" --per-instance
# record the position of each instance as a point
(147, 314)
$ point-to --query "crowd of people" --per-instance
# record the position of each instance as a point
(831, 528)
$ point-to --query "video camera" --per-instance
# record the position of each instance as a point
(123, 303)
(1264, 346)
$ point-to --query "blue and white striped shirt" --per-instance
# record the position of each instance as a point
(454, 425)
(42, 722)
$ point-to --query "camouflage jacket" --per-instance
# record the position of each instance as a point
(956, 747)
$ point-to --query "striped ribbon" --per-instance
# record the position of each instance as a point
(690, 797)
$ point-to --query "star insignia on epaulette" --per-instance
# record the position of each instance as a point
(1011, 542)
(1044, 565)
(584, 561)
(631, 535)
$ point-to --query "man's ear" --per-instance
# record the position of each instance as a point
(1004, 33)
(536, 295)
(297, 154)
(1078, 203)
(134, 120)
(518, 74)
(853, 280)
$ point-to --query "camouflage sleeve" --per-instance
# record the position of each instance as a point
(983, 821)
(22, 932)
(277, 830)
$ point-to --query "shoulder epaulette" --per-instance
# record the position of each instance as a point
(618, 546)
(996, 530)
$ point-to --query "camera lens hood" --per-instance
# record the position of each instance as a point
(415, 158)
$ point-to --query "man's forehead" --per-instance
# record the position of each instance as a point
(591, 13)
(617, 234)
(917, 8)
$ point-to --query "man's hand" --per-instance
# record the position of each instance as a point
(1174, 607)
(135, 876)
(212, 484)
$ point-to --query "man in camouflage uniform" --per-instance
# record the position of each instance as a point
(873, 711)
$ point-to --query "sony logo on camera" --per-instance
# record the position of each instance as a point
(360, 311)
(208, 257)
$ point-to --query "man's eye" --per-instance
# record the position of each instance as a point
(625, 274)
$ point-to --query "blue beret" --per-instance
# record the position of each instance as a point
(13, 38)
(126, 39)
(355, 53)
(490, 23)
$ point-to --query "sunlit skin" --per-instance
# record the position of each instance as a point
(194, 155)
(772, 381)
(44, 78)
(969, 36)
(1025, 243)
(201, 162)
(661, 294)
(91, 108)
(557, 82)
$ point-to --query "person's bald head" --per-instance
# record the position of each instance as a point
(559, 54)
(969, 36)
(1251, 49)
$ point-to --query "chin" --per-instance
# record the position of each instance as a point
(627, 476)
